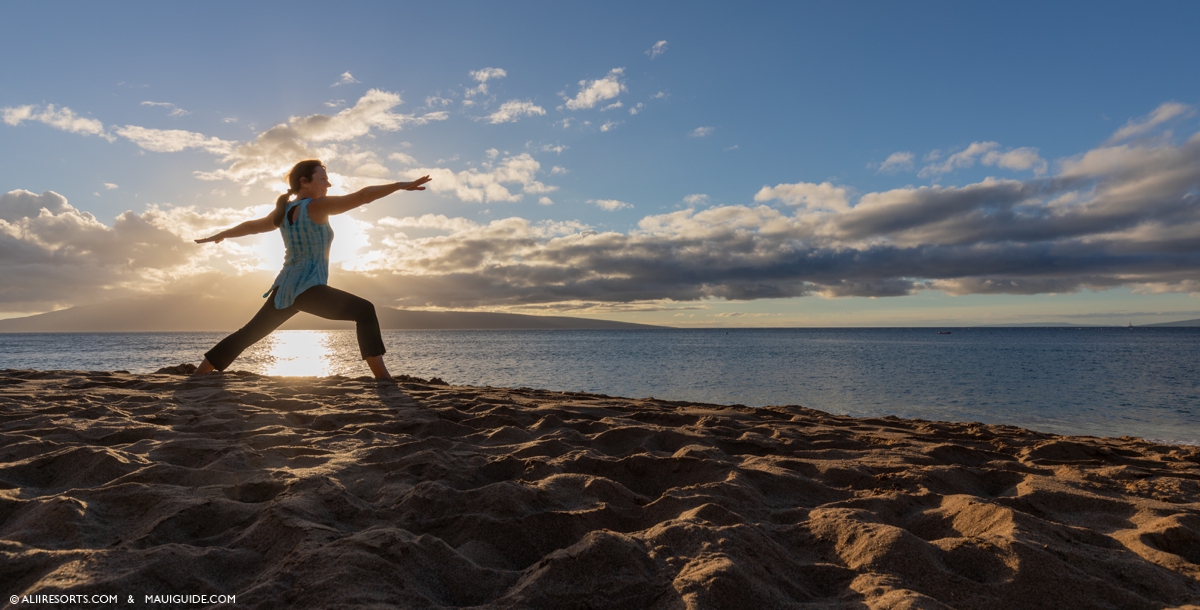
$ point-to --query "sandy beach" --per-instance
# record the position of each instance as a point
(347, 493)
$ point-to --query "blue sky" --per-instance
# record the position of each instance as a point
(678, 163)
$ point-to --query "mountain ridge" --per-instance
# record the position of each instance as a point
(199, 314)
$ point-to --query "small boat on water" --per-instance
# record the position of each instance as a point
(943, 332)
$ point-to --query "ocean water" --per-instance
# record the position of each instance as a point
(1141, 382)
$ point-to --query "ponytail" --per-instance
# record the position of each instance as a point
(303, 169)
(280, 206)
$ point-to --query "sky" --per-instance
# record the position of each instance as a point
(677, 163)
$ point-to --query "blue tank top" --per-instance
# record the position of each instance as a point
(306, 258)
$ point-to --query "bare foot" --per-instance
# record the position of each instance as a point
(378, 369)
(205, 367)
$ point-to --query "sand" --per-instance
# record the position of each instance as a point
(347, 493)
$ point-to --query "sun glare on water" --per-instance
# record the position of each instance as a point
(300, 353)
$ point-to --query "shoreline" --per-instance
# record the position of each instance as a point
(424, 494)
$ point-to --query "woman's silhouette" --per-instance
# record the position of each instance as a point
(301, 285)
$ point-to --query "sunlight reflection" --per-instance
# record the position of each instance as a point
(300, 353)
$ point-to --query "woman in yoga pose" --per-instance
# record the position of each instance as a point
(302, 284)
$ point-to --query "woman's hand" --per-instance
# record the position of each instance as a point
(215, 239)
(416, 185)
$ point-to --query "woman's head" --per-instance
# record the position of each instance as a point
(304, 174)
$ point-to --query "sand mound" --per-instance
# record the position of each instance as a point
(347, 493)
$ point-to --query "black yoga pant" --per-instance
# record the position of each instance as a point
(323, 301)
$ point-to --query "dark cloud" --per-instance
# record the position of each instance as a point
(52, 255)
(1119, 216)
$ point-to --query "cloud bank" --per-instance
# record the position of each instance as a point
(1126, 213)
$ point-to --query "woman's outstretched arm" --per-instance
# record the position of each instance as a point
(321, 209)
(250, 227)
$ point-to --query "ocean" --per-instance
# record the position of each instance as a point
(1142, 382)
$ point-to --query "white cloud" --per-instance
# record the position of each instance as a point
(59, 118)
(175, 110)
(557, 170)
(1021, 159)
(274, 151)
(174, 140)
(492, 153)
(987, 153)
(823, 196)
(482, 77)
(402, 158)
(596, 91)
(335, 103)
(434, 101)
(696, 199)
(513, 110)
(487, 74)
(896, 162)
(701, 132)
(554, 148)
(546, 201)
(637, 108)
(610, 125)
(345, 79)
(658, 96)
(611, 205)
(611, 106)
(487, 184)
(659, 48)
(1142, 125)
(110, 186)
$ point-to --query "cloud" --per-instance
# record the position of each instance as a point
(700, 132)
(554, 148)
(345, 79)
(659, 48)
(487, 184)
(558, 170)
(823, 196)
(434, 101)
(269, 156)
(487, 74)
(175, 110)
(610, 125)
(612, 106)
(57, 117)
(52, 254)
(513, 110)
(637, 108)
(403, 158)
(988, 153)
(611, 205)
(1114, 216)
(593, 92)
(696, 199)
(1143, 125)
(1123, 214)
(897, 162)
(174, 140)
(110, 186)
(482, 77)
(545, 201)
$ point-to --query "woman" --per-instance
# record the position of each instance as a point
(301, 285)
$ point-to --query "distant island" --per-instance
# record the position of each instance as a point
(194, 314)
(1195, 322)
